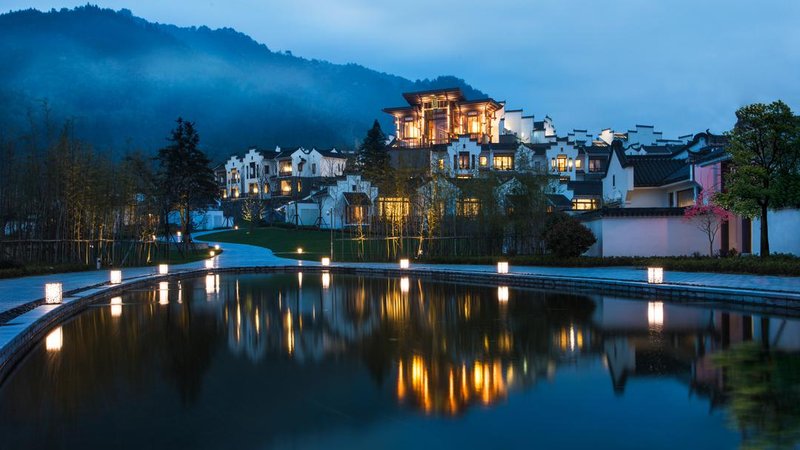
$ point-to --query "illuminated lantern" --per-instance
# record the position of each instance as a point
(502, 267)
(326, 261)
(655, 275)
(163, 269)
(404, 264)
(211, 253)
(52, 293)
(115, 277)
(299, 250)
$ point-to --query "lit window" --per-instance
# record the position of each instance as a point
(483, 161)
(561, 163)
(578, 163)
(582, 204)
(441, 163)
(469, 207)
(463, 160)
(410, 130)
(595, 165)
(285, 167)
(286, 186)
(393, 207)
(474, 124)
(503, 163)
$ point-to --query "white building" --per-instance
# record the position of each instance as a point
(345, 202)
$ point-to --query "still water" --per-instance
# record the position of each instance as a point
(335, 361)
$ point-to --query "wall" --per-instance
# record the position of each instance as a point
(783, 232)
(646, 236)
(647, 198)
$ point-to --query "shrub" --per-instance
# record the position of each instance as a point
(566, 237)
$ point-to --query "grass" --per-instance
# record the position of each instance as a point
(316, 244)
(282, 241)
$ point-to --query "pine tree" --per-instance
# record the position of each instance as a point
(186, 179)
(373, 159)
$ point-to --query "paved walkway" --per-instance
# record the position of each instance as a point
(19, 291)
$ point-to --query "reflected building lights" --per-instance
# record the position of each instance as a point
(54, 340)
(502, 294)
(300, 279)
(212, 284)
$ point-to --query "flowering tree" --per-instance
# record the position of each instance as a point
(706, 215)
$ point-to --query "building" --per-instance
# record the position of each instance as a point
(343, 202)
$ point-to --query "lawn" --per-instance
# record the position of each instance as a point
(283, 242)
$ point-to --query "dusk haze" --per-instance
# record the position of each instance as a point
(368, 224)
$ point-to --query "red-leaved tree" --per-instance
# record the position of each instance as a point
(706, 215)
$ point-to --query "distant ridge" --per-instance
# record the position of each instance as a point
(124, 80)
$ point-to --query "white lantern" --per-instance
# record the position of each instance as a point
(655, 275)
(163, 269)
(404, 285)
(116, 306)
(326, 261)
(216, 246)
(115, 277)
(52, 293)
(404, 264)
(502, 267)
(299, 250)
(502, 294)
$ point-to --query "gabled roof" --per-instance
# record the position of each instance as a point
(539, 149)
(357, 199)
(651, 171)
(586, 187)
(559, 201)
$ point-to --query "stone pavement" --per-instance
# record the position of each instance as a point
(19, 291)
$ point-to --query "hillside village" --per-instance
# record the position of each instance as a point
(630, 188)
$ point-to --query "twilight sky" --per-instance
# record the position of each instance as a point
(682, 65)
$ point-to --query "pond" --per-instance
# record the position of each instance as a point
(338, 361)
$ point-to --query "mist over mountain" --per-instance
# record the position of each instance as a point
(124, 80)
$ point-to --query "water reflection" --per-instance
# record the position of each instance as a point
(429, 349)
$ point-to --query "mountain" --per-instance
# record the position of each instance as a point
(123, 81)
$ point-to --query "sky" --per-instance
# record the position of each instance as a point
(681, 65)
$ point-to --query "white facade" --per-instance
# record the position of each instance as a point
(783, 232)
(646, 236)
(334, 206)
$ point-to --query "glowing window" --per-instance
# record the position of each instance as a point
(393, 207)
(483, 161)
(504, 163)
(468, 207)
(582, 204)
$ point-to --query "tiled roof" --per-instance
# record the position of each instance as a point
(586, 187)
(649, 171)
(559, 201)
(631, 212)
(357, 199)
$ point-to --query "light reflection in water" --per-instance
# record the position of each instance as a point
(54, 340)
(459, 347)
(163, 293)
(116, 306)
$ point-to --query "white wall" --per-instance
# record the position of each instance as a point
(648, 198)
(647, 236)
(783, 232)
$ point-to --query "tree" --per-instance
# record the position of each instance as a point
(253, 211)
(707, 216)
(765, 163)
(566, 237)
(186, 179)
(372, 159)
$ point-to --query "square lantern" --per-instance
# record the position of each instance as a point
(326, 261)
(53, 293)
(163, 269)
(655, 275)
(404, 264)
(502, 294)
(115, 277)
(502, 267)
